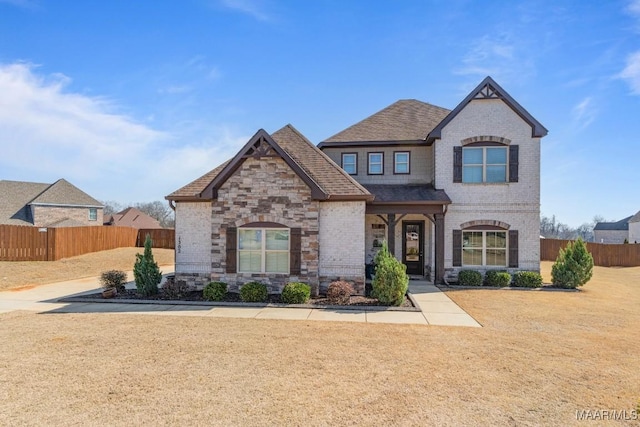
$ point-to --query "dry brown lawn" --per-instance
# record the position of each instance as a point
(539, 357)
(33, 273)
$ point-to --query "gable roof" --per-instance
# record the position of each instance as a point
(132, 217)
(635, 218)
(489, 89)
(621, 225)
(16, 196)
(407, 120)
(326, 180)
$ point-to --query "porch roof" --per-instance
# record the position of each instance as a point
(406, 198)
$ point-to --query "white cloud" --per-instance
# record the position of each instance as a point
(253, 8)
(584, 113)
(634, 7)
(48, 132)
(631, 72)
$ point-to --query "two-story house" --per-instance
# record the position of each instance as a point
(445, 189)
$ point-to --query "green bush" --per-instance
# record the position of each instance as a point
(527, 279)
(173, 289)
(146, 272)
(339, 292)
(470, 278)
(113, 279)
(573, 266)
(254, 292)
(391, 281)
(296, 293)
(499, 278)
(214, 291)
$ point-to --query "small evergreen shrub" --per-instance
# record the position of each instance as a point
(339, 292)
(296, 293)
(113, 279)
(214, 291)
(254, 292)
(573, 266)
(499, 278)
(146, 272)
(173, 289)
(527, 279)
(391, 281)
(470, 278)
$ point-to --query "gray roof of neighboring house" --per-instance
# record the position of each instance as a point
(621, 225)
(635, 218)
(404, 120)
(16, 196)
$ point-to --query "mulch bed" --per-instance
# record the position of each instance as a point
(355, 300)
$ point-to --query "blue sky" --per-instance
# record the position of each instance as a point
(130, 100)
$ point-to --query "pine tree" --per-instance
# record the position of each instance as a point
(146, 272)
(573, 266)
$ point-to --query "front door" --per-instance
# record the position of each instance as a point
(413, 247)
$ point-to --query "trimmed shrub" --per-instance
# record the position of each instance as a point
(573, 266)
(339, 292)
(146, 272)
(296, 293)
(214, 291)
(470, 278)
(254, 292)
(113, 279)
(391, 281)
(173, 289)
(497, 278)
(527, 279)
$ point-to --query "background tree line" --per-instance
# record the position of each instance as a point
(550, 228)
(158, 210)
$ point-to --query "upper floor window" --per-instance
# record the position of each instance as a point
(350, 163)
(263, 250)
(484, 164)
(401, 162)
(376, 164)
(93, 214)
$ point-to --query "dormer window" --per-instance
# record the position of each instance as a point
(350, 163)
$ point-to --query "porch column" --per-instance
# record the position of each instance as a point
(391, 235)
(439, 231)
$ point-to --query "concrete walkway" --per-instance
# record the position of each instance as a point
(437, 308)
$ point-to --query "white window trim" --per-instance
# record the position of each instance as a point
(381, 163)
(484, 248)
(96, 212)
(484, 165)
(355, 162)
(263, 249)
(396, 163)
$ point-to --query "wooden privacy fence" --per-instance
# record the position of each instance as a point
(25, 243)
(604, 255)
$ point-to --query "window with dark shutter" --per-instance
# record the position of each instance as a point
(457, 164)
(457, 248)
(513, 163)
(231, 249)
(295, 251)
(513, 248)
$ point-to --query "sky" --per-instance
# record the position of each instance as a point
(131, 100)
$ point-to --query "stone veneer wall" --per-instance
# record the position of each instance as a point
(43, 215)
(342, 243)
(265, 190)
(193, 243)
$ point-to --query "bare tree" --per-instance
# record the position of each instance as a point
(158, 210)
(111, 207)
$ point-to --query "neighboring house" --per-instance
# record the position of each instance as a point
(617, 232)
(446, 189)
(132, 217)
(60, 204)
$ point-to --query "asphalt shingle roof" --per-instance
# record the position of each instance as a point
(132, 217)
(402, 193)
(621, 225)
(404, 120)
(328, 176)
